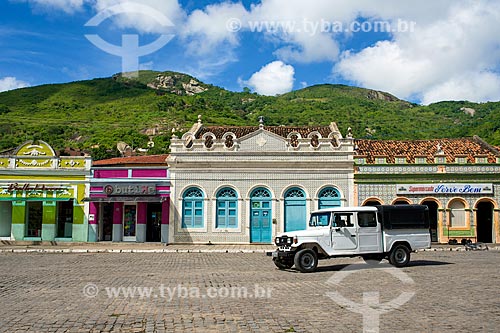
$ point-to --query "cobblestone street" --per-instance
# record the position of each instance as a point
(229, 292)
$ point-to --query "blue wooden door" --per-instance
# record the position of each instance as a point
(260, 219)
(295, 210)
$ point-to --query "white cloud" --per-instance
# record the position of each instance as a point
(144, 20)
(11, 83)
(206, 30)
(273, 79)
(474, 87)
(297, 25)
(438, 60)
(68, 6)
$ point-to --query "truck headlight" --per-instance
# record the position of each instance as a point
(295, 240)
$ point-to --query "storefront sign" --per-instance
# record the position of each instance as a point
(136, 189)
(33, 187)
(445, 188)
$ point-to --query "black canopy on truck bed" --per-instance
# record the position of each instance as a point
(404, 216)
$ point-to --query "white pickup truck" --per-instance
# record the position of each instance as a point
(374, 233)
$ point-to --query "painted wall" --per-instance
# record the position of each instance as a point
(126, 176)
(35, 173)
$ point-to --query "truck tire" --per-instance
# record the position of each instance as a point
(306, 260)
(282, 264)
(399, 256)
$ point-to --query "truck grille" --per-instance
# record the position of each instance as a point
(283, 241)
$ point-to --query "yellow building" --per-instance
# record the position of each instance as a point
(41, 195)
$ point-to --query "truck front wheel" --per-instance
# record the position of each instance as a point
(399, 256)
(306, 260)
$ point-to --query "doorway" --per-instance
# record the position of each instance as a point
(65, 219)
(153, 227)
(295, 210)
(107, 221)
(484, 222)
(400, 202)
(260, 216)
(5, 219)
(34, 216)
(371, 203)
(129, 222)
(433, 218)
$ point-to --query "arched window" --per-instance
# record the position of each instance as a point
(227, 208)
(314, 140)
(209, 141)
(229, 141)
(329, 197)
(457, 214)
(192, 208)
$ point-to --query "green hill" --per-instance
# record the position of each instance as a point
(102, 112)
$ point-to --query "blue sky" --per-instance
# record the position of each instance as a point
(444, 50)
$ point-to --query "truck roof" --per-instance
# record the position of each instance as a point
(348, 209)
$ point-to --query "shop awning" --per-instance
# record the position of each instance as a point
(125, 199)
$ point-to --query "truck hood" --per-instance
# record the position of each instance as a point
(313, 232)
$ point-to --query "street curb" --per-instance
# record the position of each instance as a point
(207, 250)
(126, 251)
(458, 249)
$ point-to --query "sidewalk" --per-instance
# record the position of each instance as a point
(125, 247)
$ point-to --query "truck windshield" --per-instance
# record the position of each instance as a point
(319, 220)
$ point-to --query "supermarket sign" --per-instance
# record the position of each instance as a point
(444, 188)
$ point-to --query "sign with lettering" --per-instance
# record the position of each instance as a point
(444, 188)
(129, 189)
(33, 187)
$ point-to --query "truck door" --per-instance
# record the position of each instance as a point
(343, 232)
(369, 233)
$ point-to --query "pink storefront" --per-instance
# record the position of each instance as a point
(129, 200)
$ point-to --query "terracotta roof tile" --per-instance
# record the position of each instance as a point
(451, 148)
(282, 131)
(133, 160)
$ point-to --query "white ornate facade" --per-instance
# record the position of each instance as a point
(246, 184)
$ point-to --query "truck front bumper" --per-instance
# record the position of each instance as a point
(282, 255)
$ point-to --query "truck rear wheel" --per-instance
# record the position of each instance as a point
(399, 256)
(306, 260)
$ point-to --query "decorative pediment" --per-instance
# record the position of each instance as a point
(35, 149)
(262, 140)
